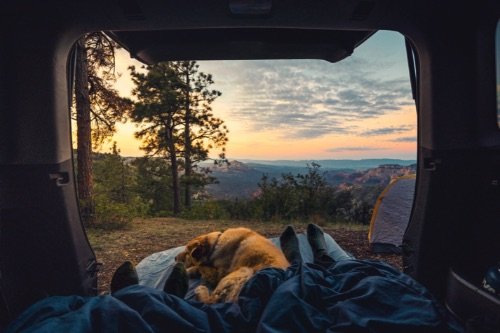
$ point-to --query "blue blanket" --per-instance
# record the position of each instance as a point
(349, 296)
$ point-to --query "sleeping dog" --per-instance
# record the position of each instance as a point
(226, 260)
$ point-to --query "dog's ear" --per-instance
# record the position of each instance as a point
(200, 250)
(197, 252)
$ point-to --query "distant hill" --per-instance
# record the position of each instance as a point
(334, 164)
(240, 179)
(380, 175)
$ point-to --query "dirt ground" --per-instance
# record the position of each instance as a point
(146, 236)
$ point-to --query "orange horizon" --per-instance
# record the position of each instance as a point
(248, 141)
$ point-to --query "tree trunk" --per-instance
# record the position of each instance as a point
(175, 171)
(175, 185)
(187, 144)
(84, 142)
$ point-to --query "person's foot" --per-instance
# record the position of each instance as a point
(316, 238)
(178, 281)
(124, 276)
(290, 245)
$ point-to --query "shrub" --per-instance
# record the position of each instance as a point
(205, 210)
(110, 214)
(240, 209)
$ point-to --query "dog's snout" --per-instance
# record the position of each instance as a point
(180, 257)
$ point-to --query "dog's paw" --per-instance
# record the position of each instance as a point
(202, 294)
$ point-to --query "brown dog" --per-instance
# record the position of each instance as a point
(226, 260)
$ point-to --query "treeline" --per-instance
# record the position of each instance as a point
(306, 197)
(142, 187)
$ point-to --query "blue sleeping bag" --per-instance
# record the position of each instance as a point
(349, 296)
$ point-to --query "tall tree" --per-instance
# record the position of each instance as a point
(83, 132)
(97, 107)
(177, 121)
(158, 111)
(200, 125)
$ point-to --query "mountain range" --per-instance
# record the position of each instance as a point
(240, 179)
(332, 164)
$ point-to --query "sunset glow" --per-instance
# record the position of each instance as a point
(358, 108)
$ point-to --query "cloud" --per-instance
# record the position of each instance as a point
(388, 130)
(405, 139)
(311, 98)
(347, 149)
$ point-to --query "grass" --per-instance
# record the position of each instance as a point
(143, 237)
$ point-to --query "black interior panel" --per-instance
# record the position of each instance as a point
(214, 44)
(41, 254)
(456, 216)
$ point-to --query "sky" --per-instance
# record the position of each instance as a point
(360, 107)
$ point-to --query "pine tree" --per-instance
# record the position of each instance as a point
(176, 120)
(97, 108)
(200, 125)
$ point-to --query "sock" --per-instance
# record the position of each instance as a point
(124, 276)
(290, 245)
(178, 281)
(316, 238)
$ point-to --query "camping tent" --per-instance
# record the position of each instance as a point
(391, 215)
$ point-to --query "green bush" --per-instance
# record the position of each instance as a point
(240, 209)
(205, 210)
(110, 214)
